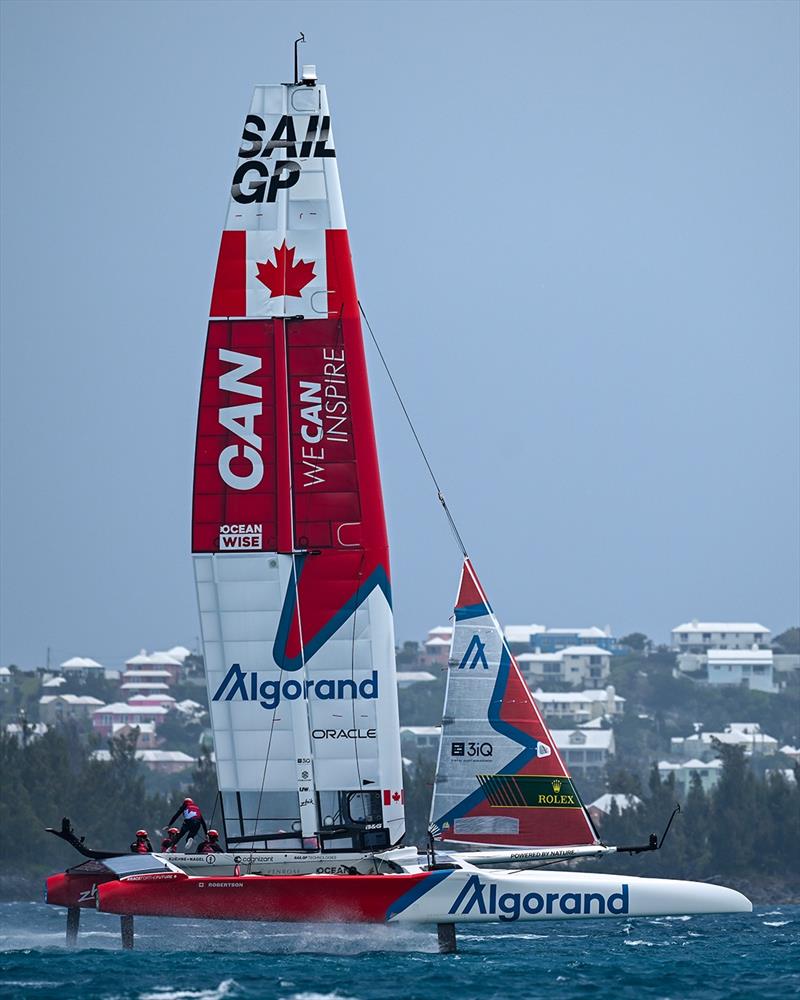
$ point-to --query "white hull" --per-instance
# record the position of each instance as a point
(464, 896)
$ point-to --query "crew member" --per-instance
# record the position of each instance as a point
(142, 843)
(192, 821)
(168, 843)
(211, 844)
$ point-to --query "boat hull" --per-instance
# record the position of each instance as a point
(449, 896)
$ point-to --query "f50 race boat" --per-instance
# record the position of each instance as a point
(291, 564)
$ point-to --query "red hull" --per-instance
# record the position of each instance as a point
(325, 898)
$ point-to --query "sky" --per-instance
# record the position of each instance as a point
(575, 233)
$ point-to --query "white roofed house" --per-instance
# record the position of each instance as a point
(699, 637)
(585, 666)
(103, 719)
(708, 771)
(601, 808)
(167, 666)
(60, 708)
(532, 638)
(749, 667)
(437, 645)
(82, 668)
(584, 751)
(162, 761)
(581, 706)
(747, 735)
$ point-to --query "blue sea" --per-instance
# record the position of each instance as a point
(709, 957)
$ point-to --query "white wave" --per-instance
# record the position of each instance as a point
(772, 913)
(31, 984)
(319, 996)
(775, 923)
(637, 944)
(167, 993)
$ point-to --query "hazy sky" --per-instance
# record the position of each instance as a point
(575, 230)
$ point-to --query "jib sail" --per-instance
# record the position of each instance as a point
(289, 538)
(500, 779)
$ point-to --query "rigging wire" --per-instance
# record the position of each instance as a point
(439, 493)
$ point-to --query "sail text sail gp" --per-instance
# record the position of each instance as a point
(288, 531)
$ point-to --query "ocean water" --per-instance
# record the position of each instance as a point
(709, 957)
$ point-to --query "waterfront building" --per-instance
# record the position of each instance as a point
(709, 772)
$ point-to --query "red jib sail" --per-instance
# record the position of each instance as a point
(500, 779)
(289, 536)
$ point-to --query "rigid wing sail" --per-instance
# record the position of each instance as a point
(500, 779)
(289, 538)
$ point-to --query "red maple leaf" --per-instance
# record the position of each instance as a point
(284, 277)
(396, 796)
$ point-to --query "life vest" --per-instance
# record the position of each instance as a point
(192, 812)
(141, 847)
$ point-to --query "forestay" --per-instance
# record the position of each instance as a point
(500, 779)
(289, 537)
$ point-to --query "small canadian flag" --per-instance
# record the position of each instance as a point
(391, 798)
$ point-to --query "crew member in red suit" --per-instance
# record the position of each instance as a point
(192, 821)
(168, 842)
(211, 844)
(142, 843)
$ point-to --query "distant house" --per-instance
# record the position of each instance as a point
(5, 676)
(587, 665)
(709, 772)
(25, 732)
(158, 662)
(104, 718)
(747, 735)
(749, 667)
(59, 708)
(699, 637)
(533, 638)
(437, 645)
(82, 668)
(146, 733)
(162, 761)
(600, 809)
(584, 751)
(580, 705)
(420, 737)
(405, 678)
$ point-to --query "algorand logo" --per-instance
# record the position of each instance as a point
(247, 686)
(486, 900)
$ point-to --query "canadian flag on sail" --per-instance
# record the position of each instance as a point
(271, 274)
(393, 798)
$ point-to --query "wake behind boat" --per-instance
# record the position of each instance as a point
(291, 562)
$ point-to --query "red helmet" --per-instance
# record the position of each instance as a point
(172, 829)
(141, 833)
(188, 802)
(213, 835)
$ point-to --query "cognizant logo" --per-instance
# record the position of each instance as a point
(245, 685)
(485, 899)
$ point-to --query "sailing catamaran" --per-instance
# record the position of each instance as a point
(291, 562)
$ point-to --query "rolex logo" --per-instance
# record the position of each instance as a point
(556, 785)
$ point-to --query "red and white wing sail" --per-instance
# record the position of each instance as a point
(500, 779)
(289, 538)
